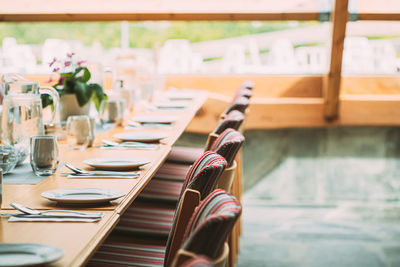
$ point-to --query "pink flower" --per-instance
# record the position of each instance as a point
(61, 80)
(50, 80)
(52, 62)
(67, 63)
(56, 69)
(70, 54)
(81, 62)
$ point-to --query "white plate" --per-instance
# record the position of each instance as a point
(20, 254)
(172, 104)
(155, 119)
(141, 136)
(83, 195)
(116, 164)
(177, 95)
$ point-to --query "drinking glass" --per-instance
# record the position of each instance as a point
(147, 85)
(44, 154)
(79, 132)
(112, 111)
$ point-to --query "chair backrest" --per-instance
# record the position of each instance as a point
(248, 85)
(228, 144)
(202, 178)
(204, 173)
(240, 104)
(233, 119)
(211, 224)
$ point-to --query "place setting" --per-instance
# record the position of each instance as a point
(28, 254)
(145, 140)
(152, 121)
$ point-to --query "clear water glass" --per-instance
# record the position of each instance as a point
(112, 111)
(44, 154)
(79, 132)
(8, 158)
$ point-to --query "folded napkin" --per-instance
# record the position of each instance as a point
(56, 217)
(121, 147)
(133, 176)
(150, 125)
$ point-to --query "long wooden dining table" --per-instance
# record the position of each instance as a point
(79, 240)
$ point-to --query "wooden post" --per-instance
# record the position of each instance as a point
(332, 80)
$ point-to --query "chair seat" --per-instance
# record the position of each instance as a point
(184, 155)
(159, 190)
(172, 171)
(147, 218)
(128, 251)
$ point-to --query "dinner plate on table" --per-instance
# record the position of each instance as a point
(155, 119)
(116, 164)
(82, 195)
(172, 105)
(28, 254)
(180, 95)
(141, 136)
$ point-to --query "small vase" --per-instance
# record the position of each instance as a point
(69, 106)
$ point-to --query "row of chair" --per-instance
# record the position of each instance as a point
(181, 218)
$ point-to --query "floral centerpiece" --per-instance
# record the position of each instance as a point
(73, 84)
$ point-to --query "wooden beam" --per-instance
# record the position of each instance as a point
(379, 16)
(265, 85)
(332, 82)
(171, 16)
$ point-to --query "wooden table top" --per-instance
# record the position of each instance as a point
(79, 240)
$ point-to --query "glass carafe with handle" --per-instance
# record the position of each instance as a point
(22, 112)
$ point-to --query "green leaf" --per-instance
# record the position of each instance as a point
(83, 93)
(46, 100)
(98, 94)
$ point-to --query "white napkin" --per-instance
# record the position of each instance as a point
(72, 176)
(52, 219)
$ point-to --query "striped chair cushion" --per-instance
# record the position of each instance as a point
(211, 223)
(228, 144)
(126, 251)
(239, 104)
(160, 189)
(202, 176)
(173, 171)
(200, 261)
(147, 219)
(232, 120)
(184, 154)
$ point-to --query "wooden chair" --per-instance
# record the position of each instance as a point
(185, 258)
(157, 218)
(198, 231)
(227, 145)
(187, 155)
(184, 156)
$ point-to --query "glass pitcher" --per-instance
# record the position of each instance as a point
(22, 112)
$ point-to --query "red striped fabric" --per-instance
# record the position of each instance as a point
(203, 176)
(240, 104)
(211, 223)
(145, 220)
(128, 253)
(228, 144)
(232, 120)
(173, 171)
(184, 154)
